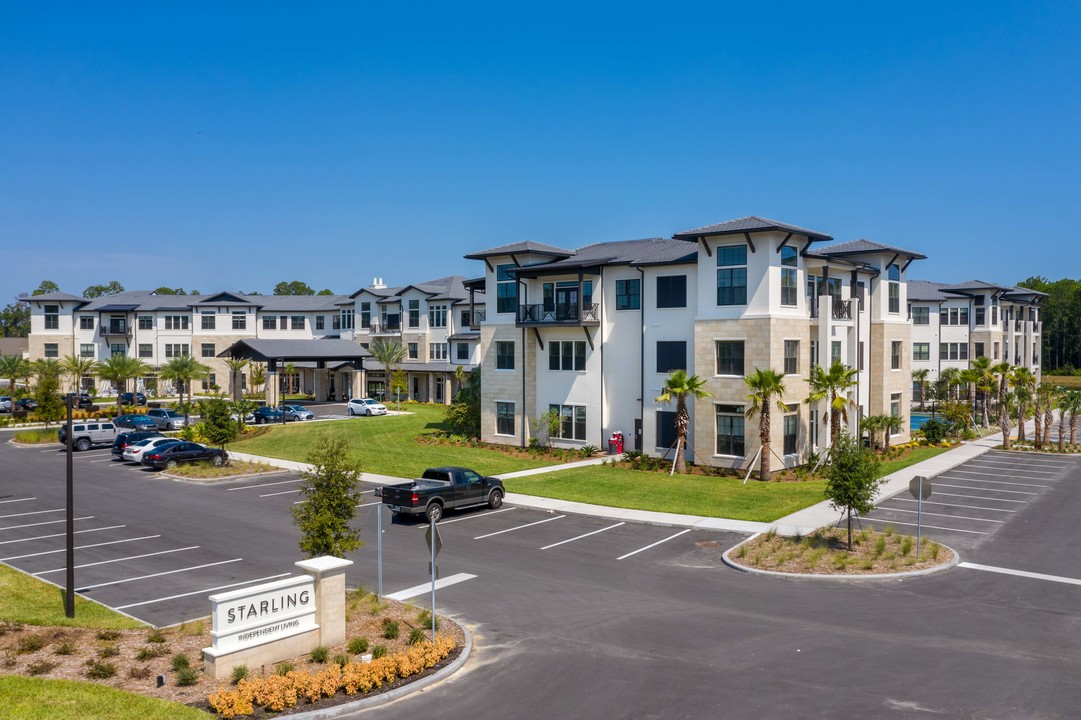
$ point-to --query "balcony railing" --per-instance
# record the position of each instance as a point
(841, 309)
(378, 328)
(476, 317)
(1017, 326)
(558, 314)
(115, 331)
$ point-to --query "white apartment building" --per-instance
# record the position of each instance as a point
(591, 334)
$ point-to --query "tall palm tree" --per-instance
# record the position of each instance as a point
(118, 369)
(765, 385)
(1050, 394)
(833, 385)
(952, 380)
(920, 376)
(389, 355)
(13, 367)
(1070, 402)
(985, 383)
(76, 368)
(1002, 370)
(184, 370)
(1023, 382)
(235, 366)
(680, 385)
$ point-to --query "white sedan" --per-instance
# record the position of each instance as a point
(134, 453)
(365, 406)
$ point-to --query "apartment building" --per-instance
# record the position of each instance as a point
(591, 334)
(953, 324)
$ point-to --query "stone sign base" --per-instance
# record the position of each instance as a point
(221, 667)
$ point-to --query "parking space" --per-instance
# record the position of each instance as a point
(973, 501)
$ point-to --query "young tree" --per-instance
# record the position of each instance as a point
(851, 478)
(51, 407)
(765, 386)
(399, 385)
(330, 493)
(872, 424)
(1023, 382)
(680, 385)
(920, 376)
(184, 370)
(463, 415)
(985, 385)
(218, 426)
(833, 385)
(258, 375)
(1050, 394)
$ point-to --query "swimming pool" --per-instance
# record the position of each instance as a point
(917, 420)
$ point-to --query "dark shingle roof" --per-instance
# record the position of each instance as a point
(927, 291)
(527, 246)
(318, 349)
(751, 223)
(861, 246)
(650, 251)
(54, 297)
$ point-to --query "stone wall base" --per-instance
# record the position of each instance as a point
(221, 667)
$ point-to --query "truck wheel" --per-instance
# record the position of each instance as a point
(495, 500)
(434, 512)
(82, 445)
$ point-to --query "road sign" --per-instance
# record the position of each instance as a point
(432, 530)
(920, 487)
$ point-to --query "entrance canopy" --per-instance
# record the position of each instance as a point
(333, 351)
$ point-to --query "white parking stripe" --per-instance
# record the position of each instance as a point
(45, 537)
(472, 517)
(993, 482)
(154, 575)
(971, 507)
(653, 545)
(283, 492)
(966, 487)
(927, 512)
(1032, 458)
(564, 542)
(130, 557)
(48, 522)
(980, 497)
(1022, 469)
(17, 500)
(932, 527)
(103, 460)
(519, 527)
(36, 512)
(250, 487)
(427, 587)
(1020, 573)
(79, 547)
(201, 592)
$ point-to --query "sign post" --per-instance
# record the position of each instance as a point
(435, 544)
(69, 594)
(920, 488)
(379, 546)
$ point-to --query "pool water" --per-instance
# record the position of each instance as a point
(917, 420)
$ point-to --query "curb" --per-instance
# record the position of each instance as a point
(224, 478)
(46, 445)
(837, 578)
(396, 693)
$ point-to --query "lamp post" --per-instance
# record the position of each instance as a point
(69, 595)
(281, 400)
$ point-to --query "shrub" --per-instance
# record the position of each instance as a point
(416, 636)
(29, 644)
(239, 673)
(379, 651)
(319, 655)
(906, 546)
(150, 651)
(935, 431)
(109, 650)
(108, 634)
(140, 672)
(180, 661)
(186, 676)
(390, 629)
(358, 645)
(341, 659)
(155, 636)
(65, 648)
(284, 668)
(880, 545)
(98, 670)
(424, 619)
(40, 667)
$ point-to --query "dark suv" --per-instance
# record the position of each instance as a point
(132, 399)
(130, 438)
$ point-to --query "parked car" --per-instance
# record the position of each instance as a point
(168, 457)
(130, 438)
(297, 412)
(83, 401)
(86, 434)
(26, 404)
(132, 399)
(166, 419)
(248, 418)
(134, 453)
(5, 403)
(266, 414)
(440, 489)
(365, 406)
(136, 422)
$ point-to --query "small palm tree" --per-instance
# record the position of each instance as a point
(985, 384)
(1051, 394)
(1002, 370)
(765, 385)
(258, 375)
(236, 365)
(920, 376)
(184, 370)
(872, 424)
(118, 369)
(680, 385)
(389, 355)
(76, 368)
(13, 367)
(1070, 402)
(833, 385)
(1023, 382)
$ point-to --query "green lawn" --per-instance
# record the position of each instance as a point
(914, 456)
(28, 600)
(38, 699)
(1070, 382)
(385, 445)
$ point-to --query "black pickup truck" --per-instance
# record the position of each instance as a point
(440, 489)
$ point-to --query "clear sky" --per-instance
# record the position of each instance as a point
(233, 145)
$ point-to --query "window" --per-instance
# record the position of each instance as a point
(628, 294)
(504, 418)
(730, 357)
(146, 322)
(414, 314)
(240, 320)
(921, 316)
(118, 349)
(390, 321)
(859, 356)
(791, 429)
(209, 382)
(730, 430)
(336, 322)
(835, 351)
(176, 322)
(979, 350)
(296, 322)
(462, 351)
(953, 316)
(788, 276)
(962, 318)
(813, 427)
(814, 354)
(732, 275)
(943, 351)
(413, 351)
(365, 315)
(207, 350)
(52, 318)
(895, 406)
(437, 351)
(86, 322)
(666, 429)
(921, 351)
(504, 355)
(994, 314)
(176, 350)
(894, 288)
(146, 350)
(347, 319)
(791, 357)
(86, 350)
(506, 290)
(962, 351)
(52, 350)
(895, 355)
(572, 421)
(981, 316)
(567, 355)
(463, 319)
(671, 355)
(270, 322)
(672, 291)
(320, 322)
(437, 316)
(207, 321)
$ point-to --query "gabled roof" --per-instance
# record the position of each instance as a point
(863, 247)
(977, 285)
(749, 224)
(224, 298)
(53, 297)
(317, 349)
(649, 251)
(521, 248)
(927, 291)
(117, 307)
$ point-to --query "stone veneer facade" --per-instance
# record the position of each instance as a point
(886, 381)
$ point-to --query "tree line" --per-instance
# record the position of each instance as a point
(1060, 314)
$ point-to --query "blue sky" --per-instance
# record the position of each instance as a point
(233, 145)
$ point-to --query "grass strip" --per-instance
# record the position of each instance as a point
(39, 699)
(27, 600)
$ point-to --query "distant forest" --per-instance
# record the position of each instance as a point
(1060, 315)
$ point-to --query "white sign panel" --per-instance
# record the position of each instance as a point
(263, 613)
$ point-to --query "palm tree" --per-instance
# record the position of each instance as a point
(985, 383)
(235, 366)
(765, 385)
(46, 368)
(258, 375)
(118, 369)
(872, 424)
(76, 368)
(681, 386)
(920, 376)
(290, 369)
(13, 367)
(1023, 381)
(889, 424)
(389, 355)
(184, 370)
(952, 380)
(833, 385)
(1002, 370)
(1050, 394)
(1069, 402)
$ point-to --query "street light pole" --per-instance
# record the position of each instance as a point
(69, 595)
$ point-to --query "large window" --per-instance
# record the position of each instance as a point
(413, 318)
(119, 349)
(438, 351)
(572, 421)
(791, 357)
(979, 350)
(207, 321)
(789, 286)
(921, 351)
(730, 430)
(895, 407)
(52, 317)
(894, 288)
(437, 316)
(462, 351)
(895, 355)
(146, 350)
(672, 291)
(504, 355)
(270, 322)
(347, 319)
(207, 350)
(146, 322)
(365, 315)
(506, 290)
(835, 351)
(173, 350)
(320, 322)
(730, 357)
(504, 418)
(791, 429)
(921, 316)
(296, 322)
(732, 275)
(176, 322)
(86, 322)
(628, 294)
(671, 355)
(86, 350)
(567, 355)
(412, 351)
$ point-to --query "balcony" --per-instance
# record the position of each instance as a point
(389, 328)
(558, 314)
(841, 309)
(476, 317)
(1017, 325)
(115, 330)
